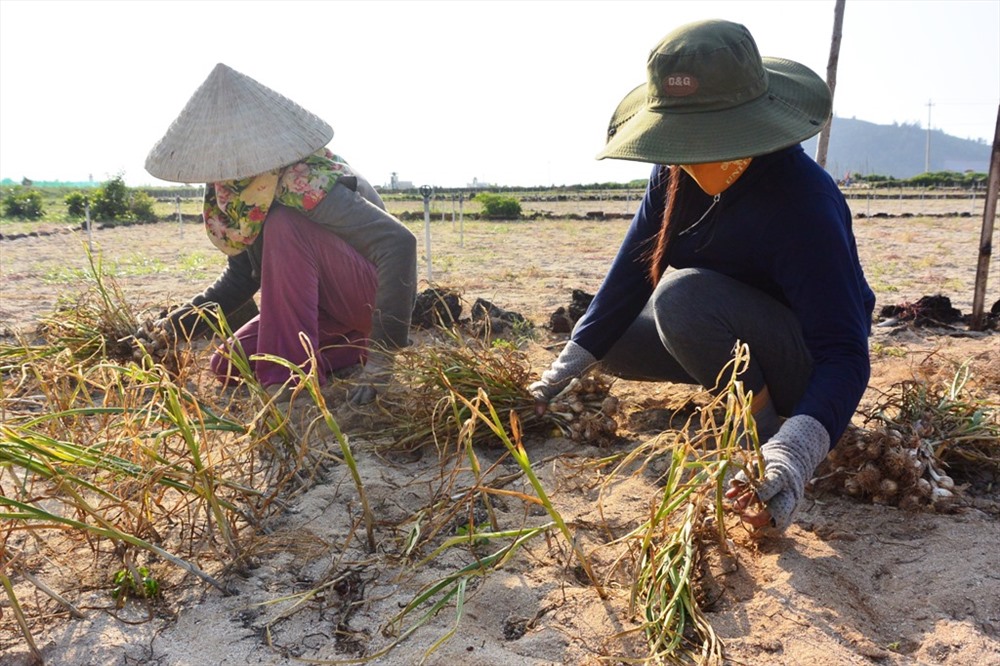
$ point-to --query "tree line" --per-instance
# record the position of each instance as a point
(113, 201)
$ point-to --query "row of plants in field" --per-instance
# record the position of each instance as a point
(113, 200)
(108, 448)
(103, 443)
(109, 202)
(121, 453)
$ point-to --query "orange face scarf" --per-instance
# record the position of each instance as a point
(715, 177)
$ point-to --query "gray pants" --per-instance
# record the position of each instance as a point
(689, 327)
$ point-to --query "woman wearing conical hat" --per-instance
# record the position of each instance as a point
(740, 237)
(300, 226)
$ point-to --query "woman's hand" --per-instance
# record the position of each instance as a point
(572, 362)
(790, 458)
(155, 335)
(374, 377)
(746, 503)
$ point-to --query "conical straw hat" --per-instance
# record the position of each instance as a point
(233, 127)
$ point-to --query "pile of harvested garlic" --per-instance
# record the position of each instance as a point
(585, 411)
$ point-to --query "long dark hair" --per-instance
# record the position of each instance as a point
(657, 257)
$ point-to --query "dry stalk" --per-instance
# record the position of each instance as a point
(308, 381)
(103, 451)
(667, 550)
(426, 406)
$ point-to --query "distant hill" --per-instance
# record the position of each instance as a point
(857, 146)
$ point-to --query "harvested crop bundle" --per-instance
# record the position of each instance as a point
(423, 408)
(920, 439)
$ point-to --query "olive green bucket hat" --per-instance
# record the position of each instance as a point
(710, 97)
(232, 128)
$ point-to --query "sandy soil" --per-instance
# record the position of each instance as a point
(849, 583)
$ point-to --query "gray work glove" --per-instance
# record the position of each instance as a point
(156, 335)
(572, 362)
(163, 332)
(790, 458)
(374, 377)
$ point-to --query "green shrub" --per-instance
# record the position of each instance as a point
(141, 207)
(114, 201)
(22, 204)
(499, 206)
(111, 201)
(76, 204)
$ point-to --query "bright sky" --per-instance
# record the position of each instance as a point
(511, 93)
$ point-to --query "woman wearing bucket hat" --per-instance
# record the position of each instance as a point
(299, 225)
(740, 237)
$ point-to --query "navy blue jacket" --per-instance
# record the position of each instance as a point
(782, 227)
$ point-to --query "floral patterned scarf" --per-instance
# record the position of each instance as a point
(235, 209)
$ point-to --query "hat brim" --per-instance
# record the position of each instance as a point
(796, 106)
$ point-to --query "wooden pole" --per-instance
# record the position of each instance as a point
(831, 78)
(986, 237)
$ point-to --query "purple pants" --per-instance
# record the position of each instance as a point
(312, 283)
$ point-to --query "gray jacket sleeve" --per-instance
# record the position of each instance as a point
(357, 215)
(232, 293)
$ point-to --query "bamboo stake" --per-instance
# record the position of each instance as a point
(831, 77)
(986, 237)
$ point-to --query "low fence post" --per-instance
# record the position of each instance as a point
(426, 192)
(461, 220)
(90, 233)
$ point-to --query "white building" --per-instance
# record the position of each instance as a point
(396, 184)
